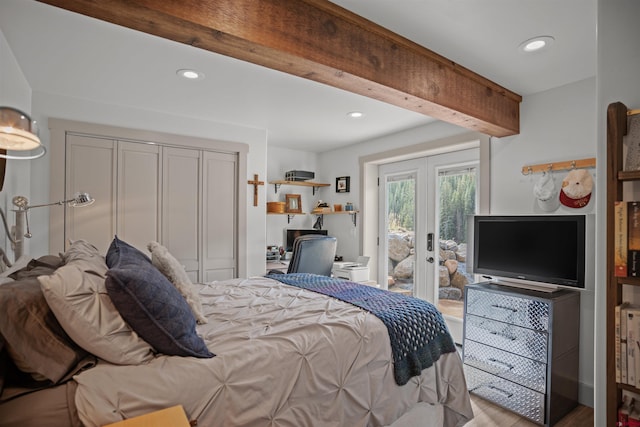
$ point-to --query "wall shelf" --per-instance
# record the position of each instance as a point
(354, 214)
(289, 215)
(315, 185)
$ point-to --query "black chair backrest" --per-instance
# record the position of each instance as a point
(313, 253)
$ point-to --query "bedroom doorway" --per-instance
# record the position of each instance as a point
(423, 218)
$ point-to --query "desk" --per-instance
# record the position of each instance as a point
(278, 265)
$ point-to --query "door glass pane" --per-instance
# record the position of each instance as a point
(401, 214)
(457, 200)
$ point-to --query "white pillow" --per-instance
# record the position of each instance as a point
(77, 295)
(174, 271)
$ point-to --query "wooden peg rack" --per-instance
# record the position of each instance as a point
(558, 166)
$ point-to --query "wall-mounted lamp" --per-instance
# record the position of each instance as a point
(18, 133)
(17, 233)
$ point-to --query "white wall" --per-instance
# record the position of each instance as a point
(618, 77)
(14, 92)
(556, 125)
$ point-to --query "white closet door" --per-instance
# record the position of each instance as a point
(220, 253)
(91, 168)
(138, 193)
(181, 191)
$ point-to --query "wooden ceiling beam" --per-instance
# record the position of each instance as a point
(320, 41)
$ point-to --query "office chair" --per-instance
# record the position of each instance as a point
(312, 253)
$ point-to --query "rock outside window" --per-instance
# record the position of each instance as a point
(342, 184)
(293, 203)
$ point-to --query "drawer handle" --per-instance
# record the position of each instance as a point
(500, 362)
(504, 308)
(503, 335)
(499, 390)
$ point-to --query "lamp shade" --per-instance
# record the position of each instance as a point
(18, 133)
(81, 200)
(16, 130)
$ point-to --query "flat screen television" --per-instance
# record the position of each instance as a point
(545, 250)
(293, 233)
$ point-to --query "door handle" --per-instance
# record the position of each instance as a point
(430, 242)
(430, 259)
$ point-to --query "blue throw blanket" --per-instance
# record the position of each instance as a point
(416, 328)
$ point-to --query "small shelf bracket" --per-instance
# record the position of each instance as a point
(276, 187)
(353, 217)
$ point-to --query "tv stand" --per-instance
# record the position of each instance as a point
(539, 287)
(521, 349)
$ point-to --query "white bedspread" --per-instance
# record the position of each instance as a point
(285, 357)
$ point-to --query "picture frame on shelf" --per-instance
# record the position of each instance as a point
(293, 203)
(343, 184)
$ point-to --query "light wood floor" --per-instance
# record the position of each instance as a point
(451, 308)
(487, 414)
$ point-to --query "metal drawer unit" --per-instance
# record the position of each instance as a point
(521, 349)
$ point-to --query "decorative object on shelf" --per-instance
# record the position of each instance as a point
(576, 189)
(298, 175)
(256, 182)
(632, 141)
(293, 203)
(342, 184)
(559, 166)
(321, 208)
(348, 207)
(276, 207)
(546, 193)
(337, 207)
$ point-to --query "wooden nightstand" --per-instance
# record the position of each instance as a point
(170, 417)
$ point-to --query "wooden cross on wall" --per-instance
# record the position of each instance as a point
(255, 184)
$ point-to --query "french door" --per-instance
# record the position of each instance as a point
(424, 207)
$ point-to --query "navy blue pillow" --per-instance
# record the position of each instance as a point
(150, 304)
(121, 252)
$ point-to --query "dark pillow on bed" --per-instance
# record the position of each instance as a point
(150, 304)
(122, 253)
(38, 267)
(33, 338)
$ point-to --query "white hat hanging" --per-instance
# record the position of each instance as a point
(546, 193)
(576, 189)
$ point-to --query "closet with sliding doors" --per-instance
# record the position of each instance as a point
(183, 192)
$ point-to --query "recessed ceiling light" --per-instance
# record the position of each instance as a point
(536, 44)
(190, 74)
(355, 114)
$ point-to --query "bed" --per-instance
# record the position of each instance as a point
(278, 355)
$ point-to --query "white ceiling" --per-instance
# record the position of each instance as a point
(68, 54)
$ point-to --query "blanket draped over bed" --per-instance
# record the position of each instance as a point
(416, 328)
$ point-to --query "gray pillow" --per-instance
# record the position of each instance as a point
(77, 295)
(151, 304)
(34, 339)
